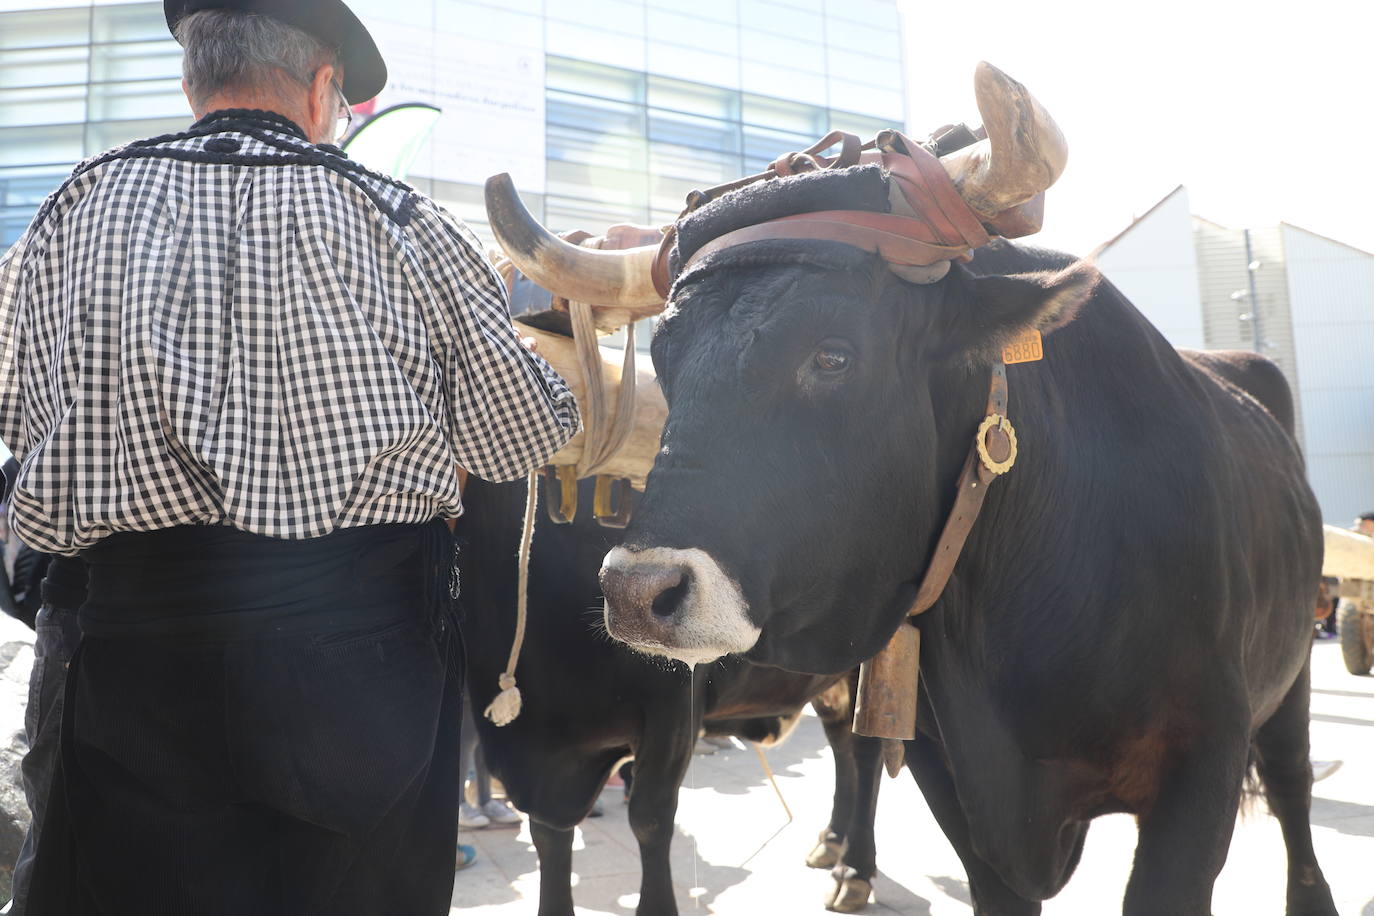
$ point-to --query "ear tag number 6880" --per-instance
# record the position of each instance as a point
(1027, 348)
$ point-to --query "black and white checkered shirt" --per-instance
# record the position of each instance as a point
(233, 326)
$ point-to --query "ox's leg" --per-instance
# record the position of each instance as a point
(554, 846)
(991, 896)
(661, 760)
(1284, 768)
(859, 863)
(1186, 833)
(835, 712)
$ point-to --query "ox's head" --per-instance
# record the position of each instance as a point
(820, 405)
(819, 410)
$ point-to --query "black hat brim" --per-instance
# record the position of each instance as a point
(329, 21)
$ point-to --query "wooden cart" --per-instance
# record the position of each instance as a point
(1350, 558)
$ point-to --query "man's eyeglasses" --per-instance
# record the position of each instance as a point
(345, 114)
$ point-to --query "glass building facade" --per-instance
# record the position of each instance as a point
(604, 111)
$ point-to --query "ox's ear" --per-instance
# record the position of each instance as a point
(999, 308)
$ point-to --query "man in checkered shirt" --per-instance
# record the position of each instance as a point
(242, 373)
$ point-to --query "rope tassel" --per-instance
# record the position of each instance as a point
(506, 707)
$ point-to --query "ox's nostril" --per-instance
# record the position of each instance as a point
(670, 599)
(646, 589)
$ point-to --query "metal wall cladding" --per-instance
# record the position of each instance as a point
(1314, 299)
(1331, 290)
(1230, 316)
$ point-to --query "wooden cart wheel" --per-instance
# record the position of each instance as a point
(1354, 630)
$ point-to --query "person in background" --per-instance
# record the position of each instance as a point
(285, 360)
(1365, 524)
(1325, 611)
(484, 810)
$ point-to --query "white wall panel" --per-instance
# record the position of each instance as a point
(1154, 264)
(1331, 290)
(1342, 485)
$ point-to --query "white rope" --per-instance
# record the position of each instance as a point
(768, 771)
(506, 706)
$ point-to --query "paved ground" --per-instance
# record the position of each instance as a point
(737, 853)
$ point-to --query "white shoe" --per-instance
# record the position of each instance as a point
(1324, 768)
(471, 817)
(500, 813)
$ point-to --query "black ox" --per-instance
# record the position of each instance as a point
(1128, 626)
(590, 702)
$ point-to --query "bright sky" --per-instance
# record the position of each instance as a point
(1264, 110)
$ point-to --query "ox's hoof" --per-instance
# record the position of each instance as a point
(827, 852)
(852, 893)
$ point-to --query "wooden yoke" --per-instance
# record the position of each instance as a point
(886, 704)
(623, 411)
(636, 456)
(1349, 554)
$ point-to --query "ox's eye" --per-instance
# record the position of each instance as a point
(829, 368)
(832, 358)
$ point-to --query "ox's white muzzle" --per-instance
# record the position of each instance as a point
(678, 603)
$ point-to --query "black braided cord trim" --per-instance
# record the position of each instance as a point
(252, 123)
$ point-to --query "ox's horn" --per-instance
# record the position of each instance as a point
(1023, 154)
(621, 279)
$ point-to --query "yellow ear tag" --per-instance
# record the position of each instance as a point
(1027, 348)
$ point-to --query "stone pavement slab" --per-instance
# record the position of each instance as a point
(736, 852)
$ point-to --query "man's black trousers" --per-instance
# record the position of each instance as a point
(299, 760)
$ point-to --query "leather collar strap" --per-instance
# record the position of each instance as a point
(896, 239)
(992, 454)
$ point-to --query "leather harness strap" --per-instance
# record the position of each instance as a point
(885, 705)
(992, 454)
(930, 223)
(935, 216)
(929, 192)
(810, 159)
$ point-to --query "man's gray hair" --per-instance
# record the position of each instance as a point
(233, 49)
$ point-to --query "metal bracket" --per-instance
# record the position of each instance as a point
(611, 502)
(560, 493)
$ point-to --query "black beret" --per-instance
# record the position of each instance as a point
(329, 21)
